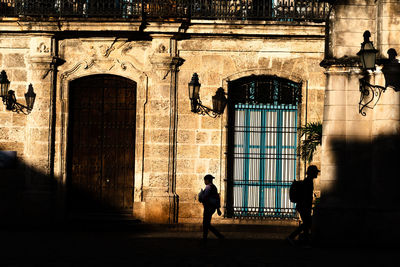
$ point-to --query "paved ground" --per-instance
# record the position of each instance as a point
(179, 246)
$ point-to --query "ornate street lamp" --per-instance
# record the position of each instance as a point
(10, 100)
(219, 100)
(30, 97)
(367, 53)
(370, 93)
(4, 84)
(194, 91)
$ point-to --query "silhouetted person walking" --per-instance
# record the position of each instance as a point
(211, 203)
(304, 206)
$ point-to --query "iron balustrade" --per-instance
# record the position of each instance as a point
(280, 10)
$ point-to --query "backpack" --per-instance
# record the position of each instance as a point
(213, 199)
(296, 191)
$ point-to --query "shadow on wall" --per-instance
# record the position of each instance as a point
(31, 199)
(363, 203)
(27, 196)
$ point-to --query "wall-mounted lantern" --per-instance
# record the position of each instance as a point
(219, 100)
(367, 53)
(370, 93)
(10, 100)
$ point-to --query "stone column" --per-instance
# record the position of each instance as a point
(359, 161)
(346, 158)
(159, 200)
(38, 203)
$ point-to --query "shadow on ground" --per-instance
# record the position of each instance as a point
(173, 249)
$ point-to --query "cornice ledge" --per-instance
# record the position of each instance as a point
(340, 62)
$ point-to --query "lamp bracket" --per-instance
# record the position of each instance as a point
(203, 110)
(19, 108)
(370, 95)
(11, 104)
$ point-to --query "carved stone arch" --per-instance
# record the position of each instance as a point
(271, 72)
(116, 67)
(265, 89)
(90, 67)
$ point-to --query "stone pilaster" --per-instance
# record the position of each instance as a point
(358, 160)
(346, 159)
(159, 200)
(39, 76)
(39, 196)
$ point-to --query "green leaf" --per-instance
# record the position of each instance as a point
(313, 138)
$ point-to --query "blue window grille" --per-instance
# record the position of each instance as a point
(262, 146)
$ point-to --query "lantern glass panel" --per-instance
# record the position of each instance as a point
(4, 84)
(30, 97)
(196, 91)
(4, 89)
(369, 59)
(368, 56)
(194, 87)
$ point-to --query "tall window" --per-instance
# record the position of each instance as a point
(262, 146)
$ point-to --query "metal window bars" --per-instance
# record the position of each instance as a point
(264, 160)
(281, 10)
(263, 141)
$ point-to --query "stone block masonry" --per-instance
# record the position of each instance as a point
(198, 144)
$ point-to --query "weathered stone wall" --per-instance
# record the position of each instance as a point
(217, 52)
(350, 18)
(202, 143)
(357, 167)
(25, 59)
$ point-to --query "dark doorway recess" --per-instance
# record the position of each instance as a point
(101, 145)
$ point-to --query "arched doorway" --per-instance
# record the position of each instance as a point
(262, 146)
(101, 144)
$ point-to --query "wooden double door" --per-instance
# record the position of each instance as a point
(101, 143)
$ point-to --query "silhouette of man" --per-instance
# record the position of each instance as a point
(304, 206)
(211, 202)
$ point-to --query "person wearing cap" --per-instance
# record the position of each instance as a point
(209, 197)
(304, 206)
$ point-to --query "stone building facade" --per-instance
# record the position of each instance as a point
(171, 147)
(358, 181)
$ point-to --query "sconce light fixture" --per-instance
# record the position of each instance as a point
(219, 100)
(9, 98)
(371, 93)
(367, 53)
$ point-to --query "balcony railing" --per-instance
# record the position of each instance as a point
(284, 10)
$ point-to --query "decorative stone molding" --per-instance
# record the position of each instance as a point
(161, 64)
(40, 66)
(113, 57)
(99, 66)
(37, 61)
(262, 71)
(40, 46)
(343, 62)
(85, 64)
(43, 49)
